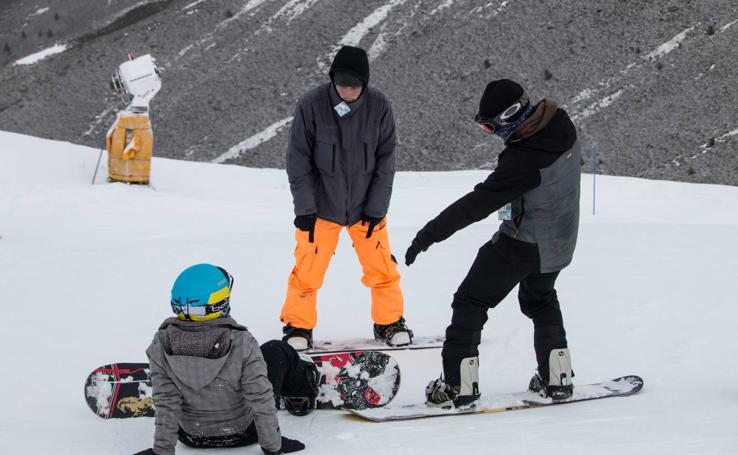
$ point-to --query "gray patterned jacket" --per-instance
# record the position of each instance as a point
(219, 389)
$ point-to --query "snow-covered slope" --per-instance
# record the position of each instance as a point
(85, 273)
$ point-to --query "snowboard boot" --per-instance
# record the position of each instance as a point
(395, 334)
(299, 339)
(441, 395)
(303, 405)
(559, 385)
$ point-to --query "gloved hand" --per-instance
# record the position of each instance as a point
(146, 452)
(373, 222)
(419, 243)
(306, 223)
(288, 446)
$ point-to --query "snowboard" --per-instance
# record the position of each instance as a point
(370, 344)
(349, 380)
(620, 387)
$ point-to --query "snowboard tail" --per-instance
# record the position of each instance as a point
(619, 387)
(120, 390)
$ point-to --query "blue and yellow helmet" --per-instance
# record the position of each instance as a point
(201, 293)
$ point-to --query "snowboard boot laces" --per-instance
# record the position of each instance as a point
(395, 334)
(299, 339)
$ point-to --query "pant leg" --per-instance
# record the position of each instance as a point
(380, 271)
(286, 371)
(490, 278)
(311, 263)
(538, 301)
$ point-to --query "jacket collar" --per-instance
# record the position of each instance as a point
(335, 100)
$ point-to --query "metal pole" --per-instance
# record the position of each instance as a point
(594, 177)
(98, 165)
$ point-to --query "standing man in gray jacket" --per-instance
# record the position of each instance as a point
(211, 385)
(535, 190)
(340, 165)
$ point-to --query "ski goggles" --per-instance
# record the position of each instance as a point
(506, 117)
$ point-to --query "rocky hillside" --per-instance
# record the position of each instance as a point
(651, 83)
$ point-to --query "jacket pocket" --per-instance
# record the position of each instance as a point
(325, 153)
(369, 143)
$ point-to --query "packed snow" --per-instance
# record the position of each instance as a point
(85, 274)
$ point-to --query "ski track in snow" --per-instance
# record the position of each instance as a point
(728, 25)
(706, 147)
(254, 141)
(494, 12)
(597, 106)
(444, 5)
(354, 36)
(670, 45)
(41, 55)
(294, 8)
(39, 11)
(192, 5)
(587, 93)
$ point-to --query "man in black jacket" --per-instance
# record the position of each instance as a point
(535, 190)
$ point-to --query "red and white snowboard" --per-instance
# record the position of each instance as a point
(349, 380)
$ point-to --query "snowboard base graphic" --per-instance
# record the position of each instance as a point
(349, 380)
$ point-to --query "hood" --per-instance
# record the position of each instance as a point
(197, 351)
(557, 136)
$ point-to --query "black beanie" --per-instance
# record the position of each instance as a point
(352, 60)
(498, 96)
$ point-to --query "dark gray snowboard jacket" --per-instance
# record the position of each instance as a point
(210, 379)
(539, 176)
(341, 167)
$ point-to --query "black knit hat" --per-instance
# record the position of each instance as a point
(352, 60)
(498, 96)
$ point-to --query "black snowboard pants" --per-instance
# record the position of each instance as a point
(286, 371)
(500, 265)
(248, 437)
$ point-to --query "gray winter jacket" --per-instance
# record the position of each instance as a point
(210, 379)
(341, 167)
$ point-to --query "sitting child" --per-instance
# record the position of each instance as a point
(211, 384)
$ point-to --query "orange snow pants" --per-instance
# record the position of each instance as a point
(311, 263)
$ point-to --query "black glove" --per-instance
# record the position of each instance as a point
(306, 223)
(373, 222)
(288, 446)
(146, 452)
(420, 243)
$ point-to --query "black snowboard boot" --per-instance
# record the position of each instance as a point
(441, 395)
(395, 334)
(299, 339)
(558, 385)
(307, 401)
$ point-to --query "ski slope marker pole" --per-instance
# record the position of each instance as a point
(594, 177)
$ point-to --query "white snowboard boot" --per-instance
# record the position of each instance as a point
(559, 385)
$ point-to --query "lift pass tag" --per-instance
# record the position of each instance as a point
(342, 108)
(505, 212)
